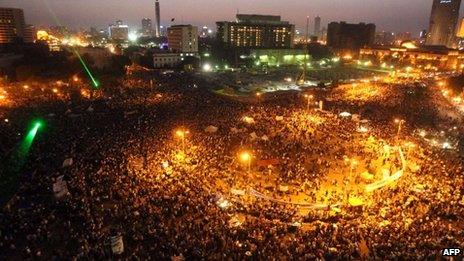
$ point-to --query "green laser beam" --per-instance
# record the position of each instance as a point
(10, 172)
(95, 83)
(29, 139)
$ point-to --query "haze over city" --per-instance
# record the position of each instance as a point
(391, 15)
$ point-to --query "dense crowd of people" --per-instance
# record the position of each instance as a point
(191, 196)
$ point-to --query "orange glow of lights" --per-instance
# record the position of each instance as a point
(245, 156)
(181, 133)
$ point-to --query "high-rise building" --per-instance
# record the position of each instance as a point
(256, 31)
(317, 26)
(12, 25)
(147, 27)
(460, 32)
(30, 34)
(157, 19)
(183, 39)
(343, 35)
(443, 22)
(384, 38)
(119, 31)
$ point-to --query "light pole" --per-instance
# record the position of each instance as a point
(400, 124)
(245, 157)
(308, 98)
(258, 95)
(181, 134)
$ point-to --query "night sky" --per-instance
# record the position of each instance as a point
(391, 15)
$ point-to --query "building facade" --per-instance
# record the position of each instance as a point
(167, 60)
(317, 26)
(342, 35)
(119, 31)
(157, 19)
(147, 27)
(183, 39)
(12, 25)
(256, 31)
(424, 57)
(443, 22)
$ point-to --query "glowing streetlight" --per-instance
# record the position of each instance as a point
(26, 87)
(133, 37)
(352, 163)
(308, 98)
(258, 95)
(400, 122)
(207, 67)
(181, 134)
(245, 157)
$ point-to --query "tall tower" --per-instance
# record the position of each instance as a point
(317, 26)
(12, 25)
(443, 22)
(157, 19)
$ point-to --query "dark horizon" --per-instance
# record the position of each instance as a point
(396, 16)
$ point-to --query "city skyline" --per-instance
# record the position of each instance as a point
(412, 16)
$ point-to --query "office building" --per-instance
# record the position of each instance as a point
(157, 19)
(342, 35)
(166, 60)
(384, 38)
(119, 31)
(256, 31)
(30, 34)
(422, 37)
(147, 27)
(12, 25)
(443, 22)
(460, 32)
(317, 26)
(183, 39)
(428, 57)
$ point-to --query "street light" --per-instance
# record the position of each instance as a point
(245, 157)
(400, 123)
(308, 98)
(258, 95)
(353, 163)
(181, 134)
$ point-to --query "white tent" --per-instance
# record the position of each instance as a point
(248, 120)
(67, 162)
(345, 114)
(283, 188)
(117, 245)
(211, 129)
(253, 135)
(237, 192)
(279, 118)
